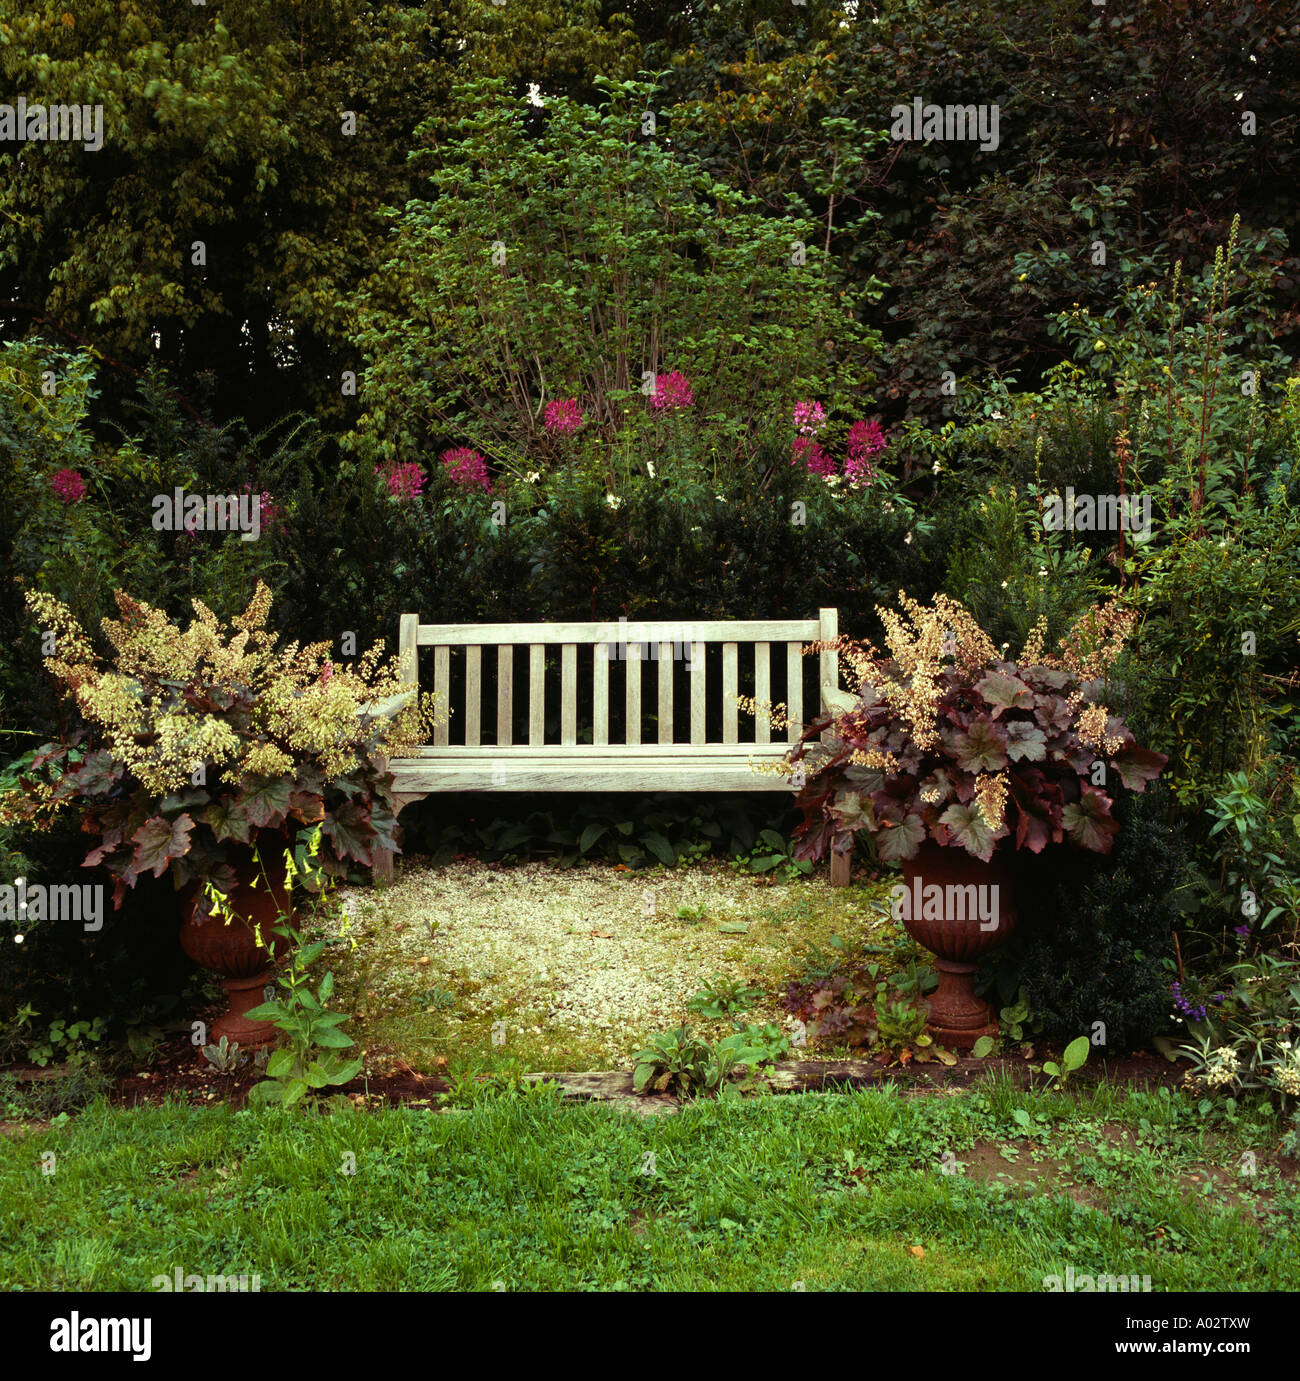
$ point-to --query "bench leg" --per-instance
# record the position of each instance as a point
(384, 859)
(839, 868)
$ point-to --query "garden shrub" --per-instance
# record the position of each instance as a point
(1093, 930)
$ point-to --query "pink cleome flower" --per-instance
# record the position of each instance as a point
(813, 454)
(404, 481)
(672, 391)
(809, 418)
(563, 415)
(69, 486)
(865, 440)
(270, 514)
(466, 468)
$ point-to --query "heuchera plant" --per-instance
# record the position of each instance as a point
(948, 741)
(197, 742)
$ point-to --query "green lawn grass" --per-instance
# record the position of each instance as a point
(517, 1191)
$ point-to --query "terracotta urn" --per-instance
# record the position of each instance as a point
(958, 908)
(232, 950)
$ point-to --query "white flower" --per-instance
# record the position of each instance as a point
(1042, 570)
(719, 498)
(832, 480)
(996, 416)
(534, 476)
(908, 539)
(650, 468)
(936, 468)
(1004, 584)
(613, 502)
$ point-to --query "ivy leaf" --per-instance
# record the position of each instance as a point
(227, 819)
(158, 841)
(350, 831)
(1138, 766)
(966, 826)
(1089, 822)
(1004, 692)
(98, 773)
(982, 748)
(266, 799)
(850, 812)
(1026, 742)
(899, 841)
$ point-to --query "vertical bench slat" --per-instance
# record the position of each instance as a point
(794, 688)
(730, 683)
(442, 690)
(473, 694)
(536, 694)
(633, 692)
(569, 694)
(505, 692)
(698, 702)
(666, 692)
(830, 660)
(762, 691)
(408, 649)
(600, 697)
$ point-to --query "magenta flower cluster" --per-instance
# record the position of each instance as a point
(270, 514)
(404, 481)
(814, 456)
(672, 391)
(809, 418)
(69, 486)
(466, 468)
(563, 415)
(866, 440)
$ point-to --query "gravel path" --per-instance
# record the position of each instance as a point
(591, 954)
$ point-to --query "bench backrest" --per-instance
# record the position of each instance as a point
(625, 642)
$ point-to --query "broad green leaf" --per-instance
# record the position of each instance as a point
(294, 1090)
(660, 847)
(1076, 1053)
(280, 1063)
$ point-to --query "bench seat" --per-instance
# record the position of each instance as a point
(645, 767)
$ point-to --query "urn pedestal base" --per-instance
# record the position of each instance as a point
(957, 1017)
(243, 994)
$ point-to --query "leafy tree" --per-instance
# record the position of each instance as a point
(230, 214)
(586, 263)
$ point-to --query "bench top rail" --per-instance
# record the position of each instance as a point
(626, 630)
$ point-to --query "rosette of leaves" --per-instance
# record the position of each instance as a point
(195, 743)
(966, 749)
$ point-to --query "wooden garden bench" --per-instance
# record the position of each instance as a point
(687, 652)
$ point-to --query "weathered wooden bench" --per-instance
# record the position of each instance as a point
(692, 763)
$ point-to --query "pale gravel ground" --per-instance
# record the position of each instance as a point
(525, 933)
